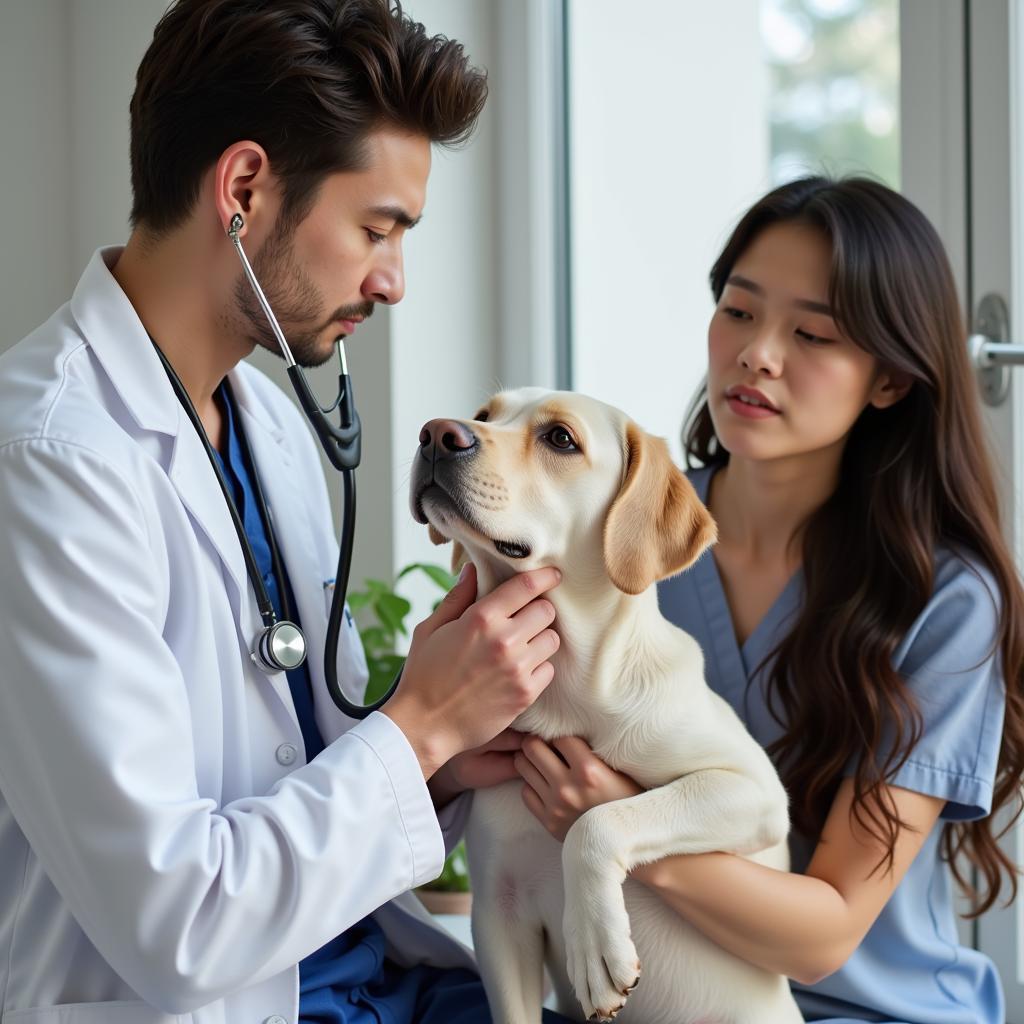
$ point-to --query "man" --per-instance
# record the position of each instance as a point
(178, 827)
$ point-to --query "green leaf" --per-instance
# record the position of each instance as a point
(454, 875)
(392, 610)
(444, 579)
(377, 639)
(382, 674)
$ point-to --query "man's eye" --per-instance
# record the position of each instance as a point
(376, 237)
(560, 438)
(736, 314)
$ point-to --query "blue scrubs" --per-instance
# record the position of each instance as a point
(910, 968)
(348, 980)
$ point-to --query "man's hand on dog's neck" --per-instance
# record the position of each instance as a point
(473, 667)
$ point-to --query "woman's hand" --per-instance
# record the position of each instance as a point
(565, 779)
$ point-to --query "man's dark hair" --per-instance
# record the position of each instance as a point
(306, 79)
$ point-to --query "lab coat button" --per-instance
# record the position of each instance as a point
(277, 1018)
(286, 754)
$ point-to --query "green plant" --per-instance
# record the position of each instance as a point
(381, 612)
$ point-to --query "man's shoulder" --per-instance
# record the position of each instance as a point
(34, 374)
(56, 398)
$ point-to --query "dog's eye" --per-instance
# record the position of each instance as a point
(560, 438)
(481, 416)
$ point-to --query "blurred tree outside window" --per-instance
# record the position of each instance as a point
(834, 68)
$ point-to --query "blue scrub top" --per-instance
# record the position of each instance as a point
(910, 968)
(349, 980)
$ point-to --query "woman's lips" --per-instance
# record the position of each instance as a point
(748, 409)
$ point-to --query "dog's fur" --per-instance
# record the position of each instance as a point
(615, 517)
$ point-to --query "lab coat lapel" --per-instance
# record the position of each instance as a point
(115, 334)
(195, 480)
(283, 488)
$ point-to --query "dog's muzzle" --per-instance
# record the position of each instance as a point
(447, 448)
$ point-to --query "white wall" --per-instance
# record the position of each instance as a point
(36, 231)
(666, 154)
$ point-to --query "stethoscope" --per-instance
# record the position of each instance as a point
(280, 645)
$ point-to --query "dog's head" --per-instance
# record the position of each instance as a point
(555, 478)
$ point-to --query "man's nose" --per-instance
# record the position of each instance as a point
(386, 281)
(446, 439)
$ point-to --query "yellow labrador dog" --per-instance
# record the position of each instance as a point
(554, 478)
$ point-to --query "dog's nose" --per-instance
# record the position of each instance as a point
(447, 438)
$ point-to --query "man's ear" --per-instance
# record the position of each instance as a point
(891, 386)
(656, 526)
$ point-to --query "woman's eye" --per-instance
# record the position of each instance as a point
(560, 438)
(376, 237)
(815, 339)
(736, 314)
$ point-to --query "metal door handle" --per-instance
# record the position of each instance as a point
(990, 350)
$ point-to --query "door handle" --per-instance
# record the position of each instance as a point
(990, 350)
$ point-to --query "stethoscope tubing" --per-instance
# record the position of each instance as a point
(341, 445)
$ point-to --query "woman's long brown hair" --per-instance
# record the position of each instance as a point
(914, 476)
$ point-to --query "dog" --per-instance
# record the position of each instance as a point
(556, 478)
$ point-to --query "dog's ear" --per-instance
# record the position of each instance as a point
(656, 526)
(459, 557)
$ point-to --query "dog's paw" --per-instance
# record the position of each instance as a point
(605, 1014)
(601, 959)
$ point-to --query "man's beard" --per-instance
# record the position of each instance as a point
(295, 301)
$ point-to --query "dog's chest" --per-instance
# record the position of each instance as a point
(636, 741)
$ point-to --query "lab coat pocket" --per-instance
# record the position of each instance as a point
(121, 1012)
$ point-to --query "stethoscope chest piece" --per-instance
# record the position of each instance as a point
(280, 647)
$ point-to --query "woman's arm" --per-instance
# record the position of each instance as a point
(803, 926)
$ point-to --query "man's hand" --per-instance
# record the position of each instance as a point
(474, 666)
(483, 766)
(564, 780)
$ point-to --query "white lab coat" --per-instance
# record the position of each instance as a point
(165, 854)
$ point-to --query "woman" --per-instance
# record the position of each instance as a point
(860, 611)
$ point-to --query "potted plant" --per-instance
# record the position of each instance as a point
(381, 614)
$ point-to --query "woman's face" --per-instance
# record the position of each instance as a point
(782, 378)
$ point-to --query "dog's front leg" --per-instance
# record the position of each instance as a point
(713, 809)
(509, 943)
(515, 869)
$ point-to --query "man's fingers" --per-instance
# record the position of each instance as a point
(542, 647)
(458, 599)
(519, 591)
(532, 619)
(507, 739)
(496, 768)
